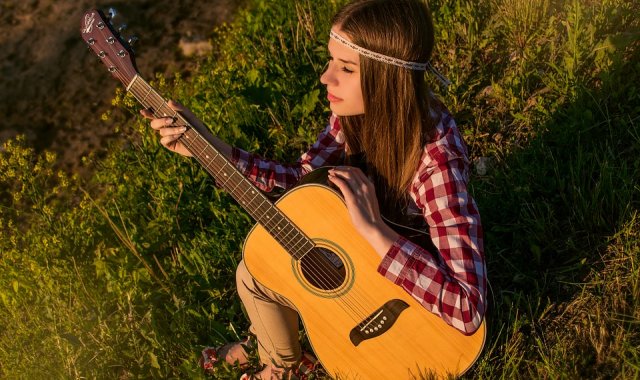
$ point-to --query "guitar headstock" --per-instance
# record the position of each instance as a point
(107, 43)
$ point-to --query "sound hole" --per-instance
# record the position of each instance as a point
(323, 269)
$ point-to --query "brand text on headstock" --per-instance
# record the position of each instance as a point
(89, 19)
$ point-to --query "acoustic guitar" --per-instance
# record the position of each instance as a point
(304, 247)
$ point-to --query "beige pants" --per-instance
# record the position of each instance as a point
(274, 322)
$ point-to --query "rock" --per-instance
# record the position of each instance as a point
(482, 165)
(195, 46)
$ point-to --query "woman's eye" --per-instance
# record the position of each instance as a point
(343, 68)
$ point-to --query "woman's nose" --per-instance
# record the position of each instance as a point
(323, 77)
(327, 77)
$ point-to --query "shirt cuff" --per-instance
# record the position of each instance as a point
(241, 159)
(396, 260)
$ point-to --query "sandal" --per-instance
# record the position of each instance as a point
(301, 371)
(211, 355)
(307, 365)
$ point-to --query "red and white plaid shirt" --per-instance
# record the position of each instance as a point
(451, 283)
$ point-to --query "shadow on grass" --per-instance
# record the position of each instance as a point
(549, 214)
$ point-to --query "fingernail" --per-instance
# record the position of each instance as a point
(183, 129)
(168, 121)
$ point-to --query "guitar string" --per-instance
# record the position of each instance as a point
(320, 277)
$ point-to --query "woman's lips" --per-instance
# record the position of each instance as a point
(332, 98)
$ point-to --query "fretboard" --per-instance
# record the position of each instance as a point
(226, 175)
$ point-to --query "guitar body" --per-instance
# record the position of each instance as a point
(417, 344)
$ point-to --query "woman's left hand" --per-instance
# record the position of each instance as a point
(362, 203)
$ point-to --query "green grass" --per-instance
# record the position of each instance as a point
(130, 273)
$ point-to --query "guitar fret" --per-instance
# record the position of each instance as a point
(145, 96)
(270, 208)
(225, 175)
(254, 197)
(298, 238)
(202, 151)
(213, 157)
(156, 98)
(287, 230)
(164, 103)
(240, 197)
(244, 202)
(300, 242)
(256, 202)
(267, 215)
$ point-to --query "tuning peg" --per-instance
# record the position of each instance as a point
(122, 27)
(132, 40)
(111, 13)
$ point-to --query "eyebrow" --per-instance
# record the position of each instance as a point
(348, 62)
(344, 60)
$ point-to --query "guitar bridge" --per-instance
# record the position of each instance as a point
(378, 322)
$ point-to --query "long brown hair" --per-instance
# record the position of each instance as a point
(396, 125)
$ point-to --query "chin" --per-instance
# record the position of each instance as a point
(344, 111)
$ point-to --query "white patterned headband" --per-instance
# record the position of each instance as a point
(391, 60)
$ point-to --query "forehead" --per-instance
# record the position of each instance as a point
(340, 51)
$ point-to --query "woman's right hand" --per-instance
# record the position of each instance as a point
(169, 130)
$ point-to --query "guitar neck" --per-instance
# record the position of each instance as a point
(225, 174)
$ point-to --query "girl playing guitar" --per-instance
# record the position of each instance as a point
(397, 152)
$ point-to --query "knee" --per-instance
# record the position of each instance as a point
(243, 278)
(241, 273)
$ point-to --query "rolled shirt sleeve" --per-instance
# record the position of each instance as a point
(451, 283)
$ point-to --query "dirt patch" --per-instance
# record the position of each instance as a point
(54, 90)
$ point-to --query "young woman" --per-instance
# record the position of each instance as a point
(398, 154)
